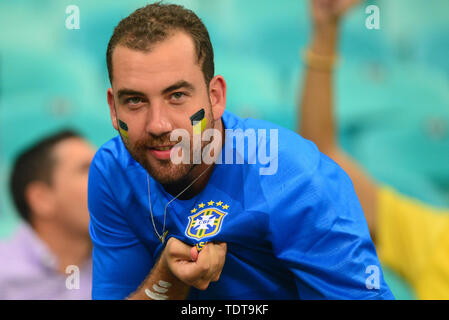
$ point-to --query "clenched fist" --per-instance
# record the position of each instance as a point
(193, 268)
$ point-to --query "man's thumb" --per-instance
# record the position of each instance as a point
(194, 253)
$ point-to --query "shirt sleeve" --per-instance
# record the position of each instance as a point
(319, 232)
(408, 234)
(120, 260)
(434, 282)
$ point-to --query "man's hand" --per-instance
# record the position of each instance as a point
(328, 12)
(325, 16)
(179, 267)
(193, 268)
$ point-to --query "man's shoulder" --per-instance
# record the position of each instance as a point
(287, 164)
(294, 153)
(110, 150)
(301, 168)
(112, 155)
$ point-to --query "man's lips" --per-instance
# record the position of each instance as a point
(161, 152)
(162, 148)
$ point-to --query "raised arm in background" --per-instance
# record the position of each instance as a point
(317, 117)
(411, 237)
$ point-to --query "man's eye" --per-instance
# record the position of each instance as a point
(177, 95)
(133, 100)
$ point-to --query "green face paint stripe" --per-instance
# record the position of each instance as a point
(123, 129)
(198, 116)
(122, 125)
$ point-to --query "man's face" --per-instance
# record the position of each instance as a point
(156, 92)
(69, 184)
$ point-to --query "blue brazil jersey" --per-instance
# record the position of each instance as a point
(296, 233)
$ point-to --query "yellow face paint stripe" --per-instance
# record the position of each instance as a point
(199, 122)
(123, 133)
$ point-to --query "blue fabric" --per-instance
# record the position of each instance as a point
(297, 234)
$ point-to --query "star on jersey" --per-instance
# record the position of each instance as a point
(207, 222)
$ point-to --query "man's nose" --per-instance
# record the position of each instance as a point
(158, 121)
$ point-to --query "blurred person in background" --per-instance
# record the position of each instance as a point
(49, 256)
(411, 237)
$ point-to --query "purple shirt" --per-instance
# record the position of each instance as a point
(28, 270)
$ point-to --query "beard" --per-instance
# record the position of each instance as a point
(165, 172)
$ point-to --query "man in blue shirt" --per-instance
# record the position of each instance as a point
(289, 222)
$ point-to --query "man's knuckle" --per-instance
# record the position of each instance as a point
(205, 266)
(217, 277)
(202, 285)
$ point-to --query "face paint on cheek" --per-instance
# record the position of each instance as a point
(123, 129)
(199, 122)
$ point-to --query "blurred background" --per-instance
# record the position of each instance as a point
(392, 85)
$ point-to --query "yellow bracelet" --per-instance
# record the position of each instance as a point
(319, 62)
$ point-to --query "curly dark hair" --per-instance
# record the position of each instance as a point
(156, 22)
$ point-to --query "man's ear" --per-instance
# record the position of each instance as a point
(40, 199)
(112, 110)
(217, 94)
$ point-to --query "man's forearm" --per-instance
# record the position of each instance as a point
(161, 284)
(316, 117)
